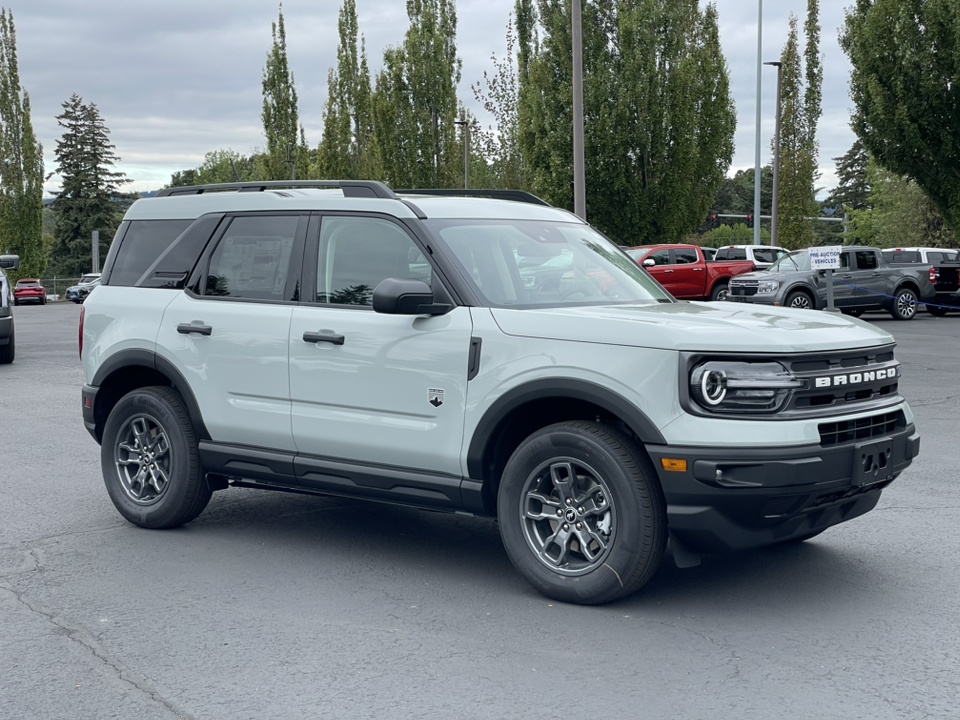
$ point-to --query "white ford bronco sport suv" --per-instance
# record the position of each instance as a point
(340, 338)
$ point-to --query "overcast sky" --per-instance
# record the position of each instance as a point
(174, 80)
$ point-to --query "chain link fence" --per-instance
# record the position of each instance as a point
(56, 287)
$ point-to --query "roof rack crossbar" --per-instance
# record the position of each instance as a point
(351, 188)
(496, 194)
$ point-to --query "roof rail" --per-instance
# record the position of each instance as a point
(351, 188)
(515, 195)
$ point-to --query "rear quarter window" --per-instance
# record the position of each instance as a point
(140, 246)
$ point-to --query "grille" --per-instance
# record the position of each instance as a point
(743, 288)
(865, 428)
(850, 378)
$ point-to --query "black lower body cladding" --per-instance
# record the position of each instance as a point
(739, 498)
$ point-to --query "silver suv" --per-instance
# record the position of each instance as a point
(480, 355)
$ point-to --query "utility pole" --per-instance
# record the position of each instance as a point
(756, 167)
(466, 151)
(579, 179)
(775, 201)
(95, 241)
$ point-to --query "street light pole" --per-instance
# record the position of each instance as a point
(775, 201)
(756, 167)
(579, 179)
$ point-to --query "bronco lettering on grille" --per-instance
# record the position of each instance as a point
(855, 378)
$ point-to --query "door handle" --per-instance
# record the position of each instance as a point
(698, 269)
(847, 275)
(187, 328)
(666, 271)
(876, 274)
(316, 337)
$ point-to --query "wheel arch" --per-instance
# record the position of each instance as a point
(807, 290)
(128, 370)
(534, 405)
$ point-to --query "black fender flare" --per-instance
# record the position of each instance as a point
(811, 291)
(135, 357)
(585, 390)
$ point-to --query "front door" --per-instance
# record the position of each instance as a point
(372, 388)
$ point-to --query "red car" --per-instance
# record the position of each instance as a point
(29, 289)
(686, 273)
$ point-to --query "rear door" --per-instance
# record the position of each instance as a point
(228, 334)
(688, 273)
(366, 387)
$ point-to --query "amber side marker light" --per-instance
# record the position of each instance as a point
(673, 464)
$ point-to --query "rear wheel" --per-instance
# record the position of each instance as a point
(799, 300)
(149, 460)
(9, 351)
(720, 291)
(581, 513)
(905, 306)
(937, 310)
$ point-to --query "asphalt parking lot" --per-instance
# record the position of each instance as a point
(282, 606)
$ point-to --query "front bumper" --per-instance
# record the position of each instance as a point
(755, 299)
(737, 498)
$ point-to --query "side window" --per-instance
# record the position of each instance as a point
(685, 256)
(660, 257)
(722, 254)
(252, 258)
(844, 261)
(765, 255)
(140, 246)
(866, 260)
(356, 254)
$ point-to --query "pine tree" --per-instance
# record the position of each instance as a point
(658, 117)
(415, 102)
(801, 97)
(286, 154)
(21, 163)
(91, 196)
(853, 188)
(348, 150)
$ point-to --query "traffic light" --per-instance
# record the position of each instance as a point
(713, 220)
(750, 220)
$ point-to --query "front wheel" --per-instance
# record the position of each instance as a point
(720, 291)
(799, 300)
(581, 513)
(149, 460)
(905, 306)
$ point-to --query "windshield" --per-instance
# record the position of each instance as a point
(533, 263)
(799, 260)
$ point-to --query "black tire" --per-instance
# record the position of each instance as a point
(799, 300)
(158, 415)
(720, 291)
(43, 301)
(617, 503)
(905, 306)
(9, 351)
(937, 310)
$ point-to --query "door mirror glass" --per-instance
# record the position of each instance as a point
(649, 262)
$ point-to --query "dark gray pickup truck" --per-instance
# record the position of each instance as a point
(865, 281)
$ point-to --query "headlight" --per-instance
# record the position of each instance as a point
(742, 387)
(768, 286)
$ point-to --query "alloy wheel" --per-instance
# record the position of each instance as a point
(568, 516)
(143, 459)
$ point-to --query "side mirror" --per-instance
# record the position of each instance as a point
(649, 262)
(10, 262)
(396, 296)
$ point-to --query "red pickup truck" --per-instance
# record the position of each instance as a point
(685, 273)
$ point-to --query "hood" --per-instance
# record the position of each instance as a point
(759, 275)
(696, 327)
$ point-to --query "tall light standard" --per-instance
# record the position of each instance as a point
(579, 179)
(756, 167)
(466, 151)
(775, 201)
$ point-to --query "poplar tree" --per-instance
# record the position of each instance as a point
(658, 116)
(415, 101)
(21, 163)
(905, 86)
(348, 149)
(286, 154)
(91, 195)
(801, 97)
